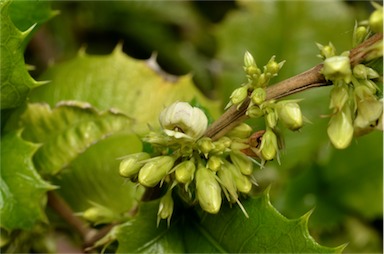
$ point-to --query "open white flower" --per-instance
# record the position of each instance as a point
(181, 120)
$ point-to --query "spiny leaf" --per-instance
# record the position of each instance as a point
(66, 131)
(16, 82)
(22, 188)
(229, 231)
(121, 82)
(266, 231)
(141, 235)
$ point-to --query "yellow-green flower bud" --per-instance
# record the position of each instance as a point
(258, 95)
(376, 20)
(269, 146)
(242, 162)
(360, 33)
(205, 145)
(271, 119)
(249, 60)
(208, 190)
(185, 171)
(181, 120)
(165, 207)
(290, 114)
(272, 67)
(228, 181)
(370, 110)
(360, 71)
(254, 112)
(242, 130)
(239, 95)
(340, 129)
(131, 164)
(243, 184)
(99, 214)
(214, 163)
(327, 50)
(263, 80)
(339, 96)
(221, 145)
(337, 68)
(155, 169)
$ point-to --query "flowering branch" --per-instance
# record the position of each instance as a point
(306, 80)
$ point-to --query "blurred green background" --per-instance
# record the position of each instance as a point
(208, 39)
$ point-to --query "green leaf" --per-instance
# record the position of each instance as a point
(97, 171)
(22, 189)
(141, 235)
(16, 82)
(67, 130)
(118, 81)
(32, 13)
(265, 231)
(229, 231)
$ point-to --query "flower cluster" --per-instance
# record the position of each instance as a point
(199, 169)
(286, 111)
(354, 99)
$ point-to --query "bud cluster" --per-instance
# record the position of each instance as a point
(354, 99)
(196, 168)
(286, 111)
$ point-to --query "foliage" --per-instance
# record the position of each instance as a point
(66, 135)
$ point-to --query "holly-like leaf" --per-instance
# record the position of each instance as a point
(229, 231)
(118, 81)
(141, 235)
(16, 82)
(22, 189)
(66, 131)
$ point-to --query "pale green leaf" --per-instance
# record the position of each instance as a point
(67, 131)
(118, 81)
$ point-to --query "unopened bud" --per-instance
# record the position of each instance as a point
(273, 67)
(99, 214)
(359, 35)
(249, 60)
(131, 164)
(269, 146)
(222, 145)
(327, 50)
(370, 109)
(254, 112)
(165, 207)
(290, 114)
(214, 163)
(242, 130)
(337, 68)
(228, 181)
(208, 190)
(258, 95)
(376, 20)
(340, 129)
(339, 96)
(239, 95)
(155, 170)
(271, 119)
(185, 171)
(243, 184)
(242, 162)
(205, 145)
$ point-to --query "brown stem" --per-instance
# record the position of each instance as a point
(63, 209)
(309, 79)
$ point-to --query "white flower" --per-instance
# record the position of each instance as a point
(181, 120)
